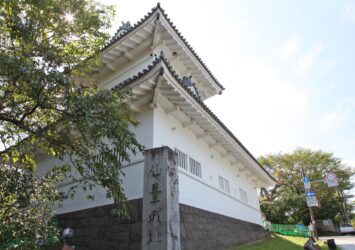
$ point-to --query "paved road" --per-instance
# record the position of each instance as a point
(343, 242)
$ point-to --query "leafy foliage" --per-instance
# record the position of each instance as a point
(46, 48)
(25, 217)
(285, 203)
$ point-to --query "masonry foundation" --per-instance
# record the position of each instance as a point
(97, 229)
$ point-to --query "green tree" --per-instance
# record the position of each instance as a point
(286, 201)
(46, 48)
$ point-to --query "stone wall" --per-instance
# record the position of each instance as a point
(200, 229)
(98, 229)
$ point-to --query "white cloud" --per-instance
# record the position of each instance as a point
(289, 49)
(307, 61)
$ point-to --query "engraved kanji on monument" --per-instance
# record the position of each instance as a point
(161, 223)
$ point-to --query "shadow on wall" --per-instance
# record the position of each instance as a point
(98, 229)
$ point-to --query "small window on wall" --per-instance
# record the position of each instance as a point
(221, 182)
(224, 184)
(243, 195)
(193, 166)
(181, 159)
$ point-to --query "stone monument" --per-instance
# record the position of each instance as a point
(160, 222)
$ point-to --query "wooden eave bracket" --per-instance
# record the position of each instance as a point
(189, 124)
(157, 92)
(156, 38)
(213, 145)
(242, 169)
(226, 154)
(203, 135)
(171, 110)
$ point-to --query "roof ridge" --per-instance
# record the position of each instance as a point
(138, 75)
(198, 100)
(214, 116)
(147, 16)
(190, 47)
(117, 37)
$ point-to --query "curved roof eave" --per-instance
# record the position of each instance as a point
(200, 102)
(155, 10)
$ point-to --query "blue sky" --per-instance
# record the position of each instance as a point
(287, 66)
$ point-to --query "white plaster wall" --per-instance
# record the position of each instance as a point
(155, 130)
(132, 181)
(204, 192)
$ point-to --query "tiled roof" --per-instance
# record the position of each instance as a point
(138, 75)
(196, 98)
(116, 37)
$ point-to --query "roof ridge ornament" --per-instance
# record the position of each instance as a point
(163, 16)
(158, 7)
(161, 56)
(125, 27)
(187, 83)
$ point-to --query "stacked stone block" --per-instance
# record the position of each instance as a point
(99, 229)
(200, 229)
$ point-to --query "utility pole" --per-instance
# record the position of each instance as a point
(332, 181)
(311, 213)
(343, 205)
(314, 225)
